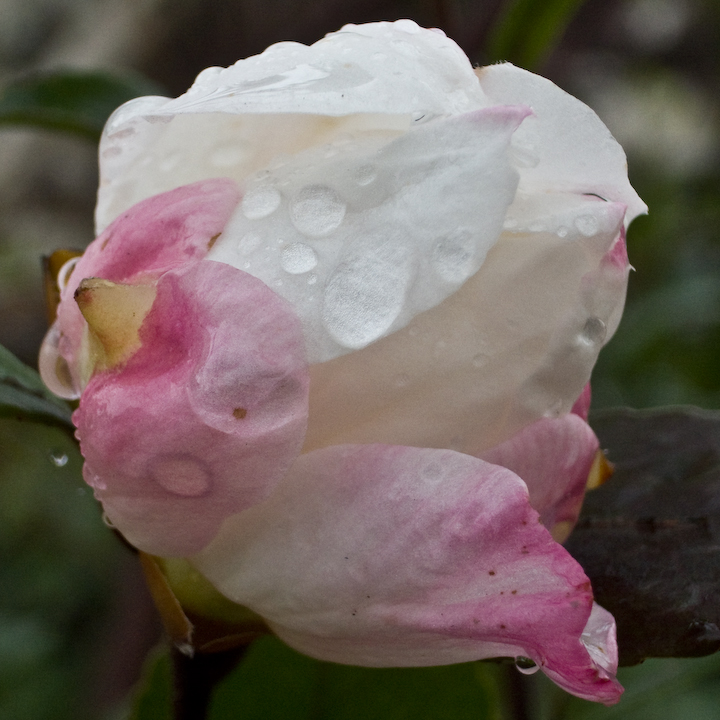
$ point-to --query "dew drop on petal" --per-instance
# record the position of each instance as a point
(365, 295)
(297, 258)
(260, 201)
(562, 231)
(453, 258)
(587, 225)
(526, 666)
(593, 332)
(249, 242)
(365, 174)
(181, 476)
(59, 458)
(54, 369)
(317, 210)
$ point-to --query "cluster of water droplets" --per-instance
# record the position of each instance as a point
(363, 233)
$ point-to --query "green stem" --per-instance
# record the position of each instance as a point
(196, 677)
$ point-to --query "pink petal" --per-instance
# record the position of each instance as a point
(164, 232)
(382, 555)
(581, 408)
(553, 457)
(205, 418)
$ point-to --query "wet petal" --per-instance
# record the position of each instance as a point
(565, 147)
(395, 556)
(517, 342)
(553, 457)
(205, 418)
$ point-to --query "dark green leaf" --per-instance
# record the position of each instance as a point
(70, 100)
(649, 539)
(24, 397)
(154, 698)
(529, 29)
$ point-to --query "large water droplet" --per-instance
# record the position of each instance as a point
(181, 476)
(587, 225)
(593, 332)
(260, 201)
(365, 295)
(298, 258)
(317, 210)
(526, 666)
(54, 369)
(453, 257)
(59, 458)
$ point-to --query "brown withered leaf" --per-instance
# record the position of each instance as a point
(649, 539)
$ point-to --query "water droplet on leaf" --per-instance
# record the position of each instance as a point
(59, 458)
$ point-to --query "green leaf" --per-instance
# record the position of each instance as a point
(276, 683)
(649, 538)
(529, 30)
(74, 101)
(24, 397)
(153, 700)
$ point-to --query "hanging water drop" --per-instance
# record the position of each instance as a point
(526, 666)
(59, 458)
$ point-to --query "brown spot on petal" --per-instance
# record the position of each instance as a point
(239, 413)
(213, 239)
(492, 572)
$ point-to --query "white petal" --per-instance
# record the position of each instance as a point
(363, 236)
(566, 147)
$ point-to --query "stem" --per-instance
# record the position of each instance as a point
(195, 679)
(518, 695)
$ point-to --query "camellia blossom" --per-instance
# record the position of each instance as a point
(333, 342)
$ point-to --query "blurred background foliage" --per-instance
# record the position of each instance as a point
(75, 620)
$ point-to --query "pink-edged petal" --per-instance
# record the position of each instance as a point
(207, 415)
(553, 457)
(382, 555)
(164, 232)
(581, 408)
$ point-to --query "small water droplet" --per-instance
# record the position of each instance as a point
(183, 476)
(298, 258)
(510, 223)
(555, 409)
(312, 279)
(365, 174)
(562, 231)
(260, 201)
(249, 242)
(526, 666)
(317, 210)
(587, 225)
(453, 257)
(593, 332)
(58, 458)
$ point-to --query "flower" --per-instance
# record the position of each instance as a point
(333, 343)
